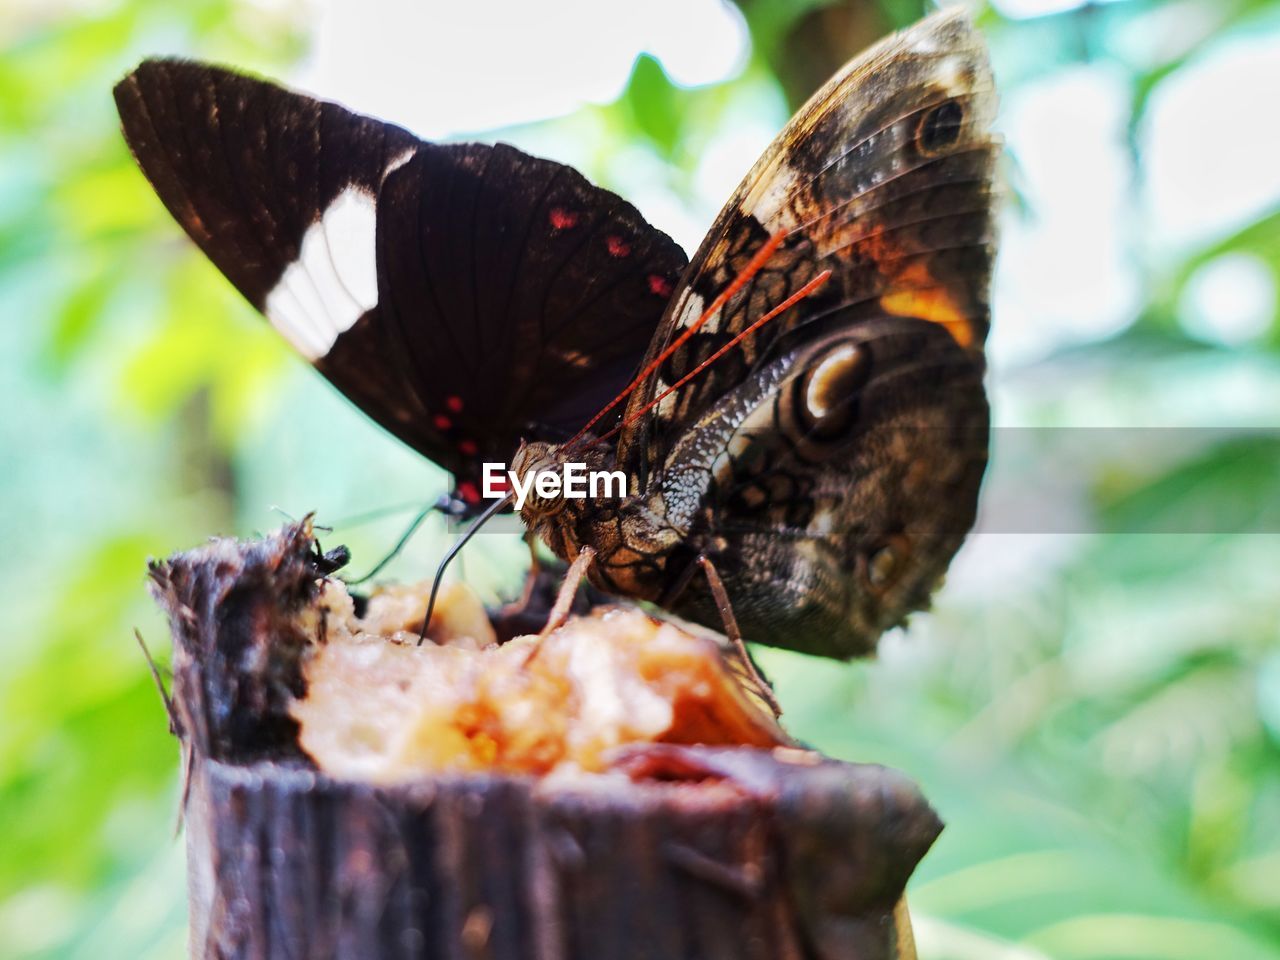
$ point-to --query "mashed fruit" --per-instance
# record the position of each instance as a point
(380, 707)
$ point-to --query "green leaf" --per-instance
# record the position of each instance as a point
(1231, 487)
(653, 101)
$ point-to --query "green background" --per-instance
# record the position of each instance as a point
(1095, 714)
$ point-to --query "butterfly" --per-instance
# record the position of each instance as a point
(801, 405)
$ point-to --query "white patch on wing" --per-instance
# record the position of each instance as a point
(823, 522)
(334, 281)
(768, 196)
(690, 310)
(399, 162)
(950, 73)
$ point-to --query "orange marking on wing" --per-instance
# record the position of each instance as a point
(932, 304)
(912, 291)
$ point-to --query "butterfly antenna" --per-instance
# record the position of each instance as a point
(444, 505)
(741, 280)
(805, 291)
(467, 534)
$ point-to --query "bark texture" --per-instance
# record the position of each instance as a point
(684, 852)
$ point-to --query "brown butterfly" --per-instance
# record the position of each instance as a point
(809, 418)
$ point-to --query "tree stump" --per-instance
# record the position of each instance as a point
(679, 852)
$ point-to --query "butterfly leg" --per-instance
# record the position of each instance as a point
(518, 606)
(564, 599)
(568, 590)
(734, 635)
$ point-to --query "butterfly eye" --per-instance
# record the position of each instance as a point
(940, 128)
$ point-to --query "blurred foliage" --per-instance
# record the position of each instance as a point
(1096, 716)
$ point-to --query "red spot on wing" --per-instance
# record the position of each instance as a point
(454, 404)
(467, 490)
(617, 247)
(468, 448)
(660, 286)
(441, 422)
(562, 219)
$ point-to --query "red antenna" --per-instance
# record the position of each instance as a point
(786, 304)
(741, 280)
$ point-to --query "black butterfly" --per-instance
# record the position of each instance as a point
(472, 298)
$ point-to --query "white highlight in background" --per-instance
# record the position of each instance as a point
(1211, 145)
(1231, 299)
(450, 68)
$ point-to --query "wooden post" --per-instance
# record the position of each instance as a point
(680, 853)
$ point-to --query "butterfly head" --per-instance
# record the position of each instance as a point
(559, 483)
(530, 461)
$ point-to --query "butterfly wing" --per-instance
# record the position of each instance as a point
(830, 462)
(832, 487)
(464, 296)
(883, 178)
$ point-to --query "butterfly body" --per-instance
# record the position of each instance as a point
(810, 563)
(805, 406)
